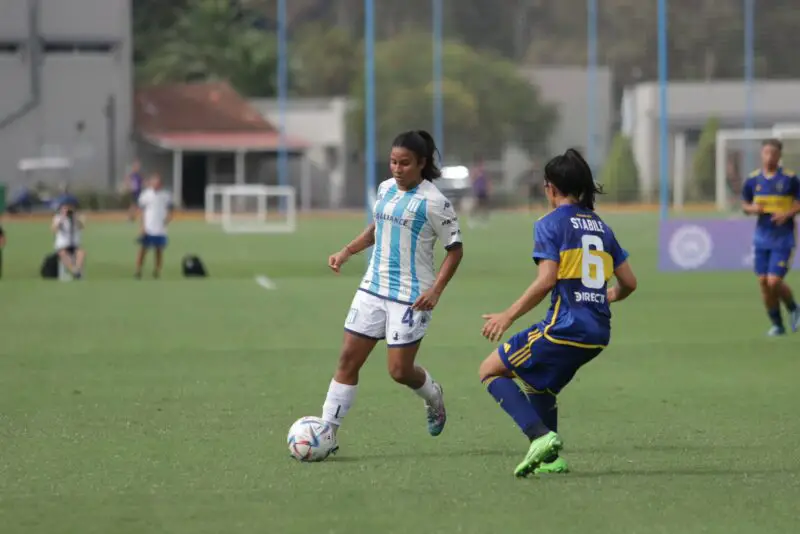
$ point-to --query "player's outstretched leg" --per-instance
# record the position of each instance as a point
(785, 293)
(404, 371)
(545, 443)
(344, 385)
(770, 290)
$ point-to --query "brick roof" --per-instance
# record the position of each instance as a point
(197, 107)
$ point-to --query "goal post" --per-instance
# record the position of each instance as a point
(252, 208)
(737, 147)
(722, 243)
(728, 141)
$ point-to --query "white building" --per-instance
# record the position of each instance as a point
(690, 105)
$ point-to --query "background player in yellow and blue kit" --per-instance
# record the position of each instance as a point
(773, 195)
(577, 255)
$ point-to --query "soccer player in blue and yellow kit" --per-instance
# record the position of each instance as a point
(773, 195)
(577, 255)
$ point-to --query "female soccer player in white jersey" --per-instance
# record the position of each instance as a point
(401, 286)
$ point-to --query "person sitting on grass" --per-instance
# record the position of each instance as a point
(68, 227)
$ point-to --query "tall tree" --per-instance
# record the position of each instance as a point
(325, 61)
(487, 102)
(705, 36)
(209, 41)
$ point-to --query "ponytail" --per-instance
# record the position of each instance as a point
(572, 176)
(430, 171)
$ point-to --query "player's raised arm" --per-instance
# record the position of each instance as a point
(363, 241)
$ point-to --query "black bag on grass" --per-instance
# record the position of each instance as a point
(49, 268)
(193, 267)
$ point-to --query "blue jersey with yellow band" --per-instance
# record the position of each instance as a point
(587, 254)
(776, 193)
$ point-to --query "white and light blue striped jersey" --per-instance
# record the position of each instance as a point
(407, 225)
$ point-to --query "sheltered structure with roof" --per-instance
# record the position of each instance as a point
(203, 134)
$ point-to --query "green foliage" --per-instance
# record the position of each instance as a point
(704, 164)
(487, 103)
(324, 61)
(210, 41)
(537, 32)
(620, 176)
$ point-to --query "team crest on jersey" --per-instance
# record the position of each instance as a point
(779, 187)
(758, 188)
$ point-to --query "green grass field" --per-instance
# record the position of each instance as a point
(162, 406)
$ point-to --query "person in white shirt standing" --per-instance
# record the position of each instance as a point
(155, 213)
(67, 227)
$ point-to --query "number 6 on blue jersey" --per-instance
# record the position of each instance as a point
(593, 274)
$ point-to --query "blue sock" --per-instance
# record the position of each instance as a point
(775, 317)
(791, 306)
(546, 406)
(515, 403)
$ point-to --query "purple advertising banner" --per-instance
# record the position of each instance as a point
(708, 245)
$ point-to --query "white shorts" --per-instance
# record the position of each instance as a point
(378, 318)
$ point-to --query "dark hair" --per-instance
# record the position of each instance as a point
(421, 143)
(571, 175)
(775, 143)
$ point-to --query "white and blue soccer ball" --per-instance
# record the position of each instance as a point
(311, 439)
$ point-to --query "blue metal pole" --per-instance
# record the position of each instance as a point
(749, 50)
(591, 89)
(438, 75)
(283, 95)
(369, 104)
(663, 104)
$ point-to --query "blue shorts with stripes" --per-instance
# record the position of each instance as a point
(545, 364)
(774, 262)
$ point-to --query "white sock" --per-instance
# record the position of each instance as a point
(428, 391)
(338, 402)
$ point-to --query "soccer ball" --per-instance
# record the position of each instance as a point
(311, 439)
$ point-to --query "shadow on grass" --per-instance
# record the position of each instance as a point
(682, 471)
(514, 453)
(682, 468)
(416, 455)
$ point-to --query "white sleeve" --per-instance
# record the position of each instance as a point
(443, 218)
(143, 198)
(382, 188)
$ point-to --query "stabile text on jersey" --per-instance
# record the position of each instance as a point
(590, 225)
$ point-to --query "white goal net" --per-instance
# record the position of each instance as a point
(252, 208)
(738, 154)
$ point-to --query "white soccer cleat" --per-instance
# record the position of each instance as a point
(436, 412)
